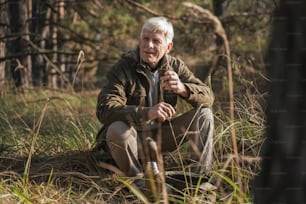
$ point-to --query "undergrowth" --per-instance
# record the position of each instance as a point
(46, 137)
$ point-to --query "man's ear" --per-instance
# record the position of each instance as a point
(169, 47)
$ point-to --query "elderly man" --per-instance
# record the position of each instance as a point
(140, 99)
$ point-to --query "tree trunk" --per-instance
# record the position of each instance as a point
(62, 57)
(218, 9)
(22, 68)
(3, 23)
(41, 29)
(283, 175)
(52, 72)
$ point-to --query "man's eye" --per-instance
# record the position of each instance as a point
(156, 42)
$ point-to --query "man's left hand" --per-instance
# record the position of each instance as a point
(171, 82)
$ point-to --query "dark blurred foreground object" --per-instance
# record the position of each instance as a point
(282, 179)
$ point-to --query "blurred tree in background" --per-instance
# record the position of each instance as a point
(40, 40)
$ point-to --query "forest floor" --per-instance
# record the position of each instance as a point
(46, 152)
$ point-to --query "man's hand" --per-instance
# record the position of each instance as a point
(161, 111)
(171, 82)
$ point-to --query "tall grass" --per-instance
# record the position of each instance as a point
(57, 130)
(69, 122)
(250, 127)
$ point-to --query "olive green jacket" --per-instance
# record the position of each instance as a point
(125, 96)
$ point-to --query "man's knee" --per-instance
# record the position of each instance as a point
(206, 123)
(207, 114)
(119, 132)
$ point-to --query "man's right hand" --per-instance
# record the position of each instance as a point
(161, 111)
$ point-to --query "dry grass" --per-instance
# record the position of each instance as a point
(46, 158)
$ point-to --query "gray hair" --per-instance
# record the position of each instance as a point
(160, 24)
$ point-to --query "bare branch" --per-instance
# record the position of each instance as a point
(154, 13)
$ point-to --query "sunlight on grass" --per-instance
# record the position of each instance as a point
(64, 123)
(68, 124)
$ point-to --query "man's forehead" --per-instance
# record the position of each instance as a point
(153, 32)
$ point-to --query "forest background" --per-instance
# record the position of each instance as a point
(53, 59)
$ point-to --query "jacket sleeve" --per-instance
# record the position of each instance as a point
(112, 100)
(200, 93)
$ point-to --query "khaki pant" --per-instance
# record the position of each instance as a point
(195, 126)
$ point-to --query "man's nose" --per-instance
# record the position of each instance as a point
(150, 43)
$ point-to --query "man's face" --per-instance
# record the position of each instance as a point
(153, 46)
